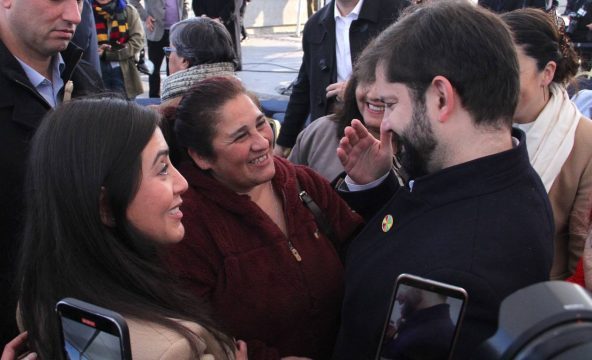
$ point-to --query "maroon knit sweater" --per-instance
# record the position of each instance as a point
(239, 261)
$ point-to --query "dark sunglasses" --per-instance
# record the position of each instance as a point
(168, 51)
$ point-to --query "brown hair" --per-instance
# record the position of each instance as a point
(542, 36)
(199, 112)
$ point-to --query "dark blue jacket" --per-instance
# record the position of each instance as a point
(485, 225)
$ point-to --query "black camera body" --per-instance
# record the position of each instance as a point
(547, 321)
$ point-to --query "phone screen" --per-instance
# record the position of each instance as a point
(423, 321)
(85, 342)
(90, 332)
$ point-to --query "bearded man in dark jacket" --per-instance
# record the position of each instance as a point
(473, 213)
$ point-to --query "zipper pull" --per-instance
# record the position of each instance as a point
(295, 252)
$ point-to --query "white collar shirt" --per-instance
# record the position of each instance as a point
(342, 46)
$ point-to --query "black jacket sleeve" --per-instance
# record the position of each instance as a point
(368, 202)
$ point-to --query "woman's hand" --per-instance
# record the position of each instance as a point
(150, 23)
(102, 49)
(16, 348)
(337, 89)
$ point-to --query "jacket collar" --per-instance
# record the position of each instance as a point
(475, 177)
(10, 66)
(371, 11)
(327, 14)
(71, 56)
(205, 185)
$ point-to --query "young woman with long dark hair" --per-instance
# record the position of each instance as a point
(102, 199)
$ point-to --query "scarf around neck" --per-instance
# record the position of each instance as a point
(110, 22)
(550, 138)
(181, 81)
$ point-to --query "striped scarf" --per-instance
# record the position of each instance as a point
(111, 22)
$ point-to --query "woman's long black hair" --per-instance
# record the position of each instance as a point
(85, 151)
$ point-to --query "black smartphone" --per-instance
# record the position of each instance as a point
(92, 332)
(423, 320)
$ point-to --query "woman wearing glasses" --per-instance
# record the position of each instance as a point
(200, 48)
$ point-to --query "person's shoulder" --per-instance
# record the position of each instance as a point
(584, 129)
(150, 340)
(86, 79)
(8, 61)
(383, 9)
(581, 154)
(309, 179)
(131, 10)
(322, 125)
(323, 14)
(390, 4)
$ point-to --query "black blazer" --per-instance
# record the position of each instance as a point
(21, 111)
(318, 69)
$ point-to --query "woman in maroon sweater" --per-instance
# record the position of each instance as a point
(252, 249)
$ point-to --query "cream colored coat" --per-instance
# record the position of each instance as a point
(571, 200)
(150, 341)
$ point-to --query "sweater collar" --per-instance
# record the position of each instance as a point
(212, 189)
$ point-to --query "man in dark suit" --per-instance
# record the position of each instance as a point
(321, 79)
(39, 68)
(473, 213)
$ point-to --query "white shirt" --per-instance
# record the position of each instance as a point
(46, 88)
(342, 46)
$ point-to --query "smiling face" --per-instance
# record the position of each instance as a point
(242, 147)
(408, 119)
(370, 106)
(41, 28)
(154, 210)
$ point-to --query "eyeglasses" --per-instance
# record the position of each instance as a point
(168, 51)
